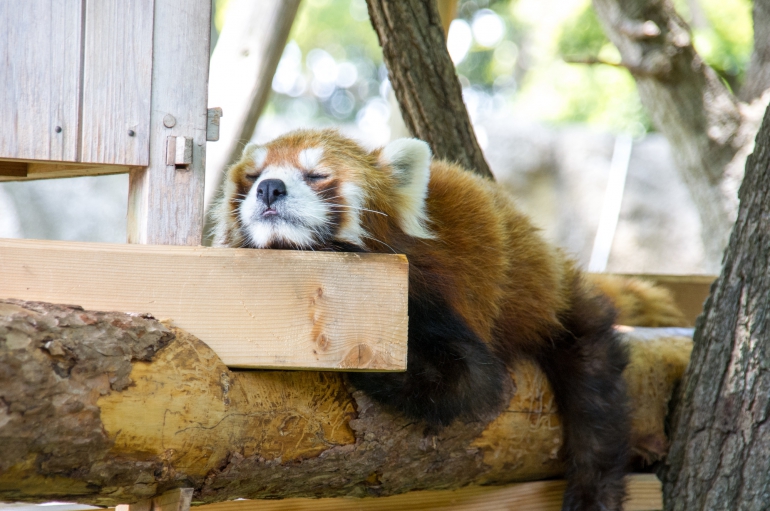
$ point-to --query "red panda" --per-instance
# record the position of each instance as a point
(484, 288)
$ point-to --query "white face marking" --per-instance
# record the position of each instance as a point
(410, 160)
(301, 218)
(310, 158)
(301, 215)
(258, 154)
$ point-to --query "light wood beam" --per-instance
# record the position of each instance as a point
(644, 494)
(17, 170)
(254, 308)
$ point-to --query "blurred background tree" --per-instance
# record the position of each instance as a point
(514, 54)
(547, 94)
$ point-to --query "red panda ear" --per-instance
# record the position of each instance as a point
(256, 152)
(409, 160)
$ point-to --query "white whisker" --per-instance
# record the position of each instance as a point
(379, 241)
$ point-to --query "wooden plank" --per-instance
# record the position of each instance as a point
(178, 499)
(165, 204)
(117, 73)
(255, 308)
(13, 169)
(690, 291)
(40, 51)
(242, 67)
(31, 170)
(644, 494)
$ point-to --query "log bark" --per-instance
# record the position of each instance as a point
(423, 77)
(108, 408)
(721, 433)
(708, 128)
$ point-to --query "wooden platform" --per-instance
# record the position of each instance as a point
(32, 170)
(254, 308)
(644, 494)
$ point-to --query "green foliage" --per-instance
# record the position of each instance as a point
(726, 41)
(582, 37)
(340, 27)
(524, 68)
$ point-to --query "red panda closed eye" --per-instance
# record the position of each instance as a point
(484, 288)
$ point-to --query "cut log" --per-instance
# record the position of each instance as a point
(110, 408)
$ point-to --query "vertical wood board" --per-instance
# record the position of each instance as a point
(117, 78)
(255, 308)
(40, 65)
(166, 202)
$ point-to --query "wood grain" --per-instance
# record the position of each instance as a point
(116, 82)
(40, 52)
(165, 205)
(13, 169)
(644, 494)
(255, 308)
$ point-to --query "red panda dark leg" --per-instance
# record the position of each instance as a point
(450, 372)
(585, 366)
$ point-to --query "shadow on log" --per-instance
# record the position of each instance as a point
(107, 408)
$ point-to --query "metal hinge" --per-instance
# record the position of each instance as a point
(179, 151)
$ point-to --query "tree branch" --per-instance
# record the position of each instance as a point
(710, 132)
(423, 77)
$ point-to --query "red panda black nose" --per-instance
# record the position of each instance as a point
(270, 190)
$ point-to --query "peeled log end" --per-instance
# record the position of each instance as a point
(109, 408)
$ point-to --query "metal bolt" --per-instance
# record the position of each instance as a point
(169, 121)
(131, 133)
(57, 129)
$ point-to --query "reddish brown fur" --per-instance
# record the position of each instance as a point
(484, 289)
(511, 281)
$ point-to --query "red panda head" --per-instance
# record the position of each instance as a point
(318, 189)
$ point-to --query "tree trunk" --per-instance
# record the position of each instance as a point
(108, 408)
(709, 130)
(720, 454)
(423, 77)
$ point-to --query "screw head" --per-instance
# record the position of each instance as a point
(57, 129)
(131, 133)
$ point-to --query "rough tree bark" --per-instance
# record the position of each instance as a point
(423, 77)
(108, 408)
(720, 453)
(710, 131)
